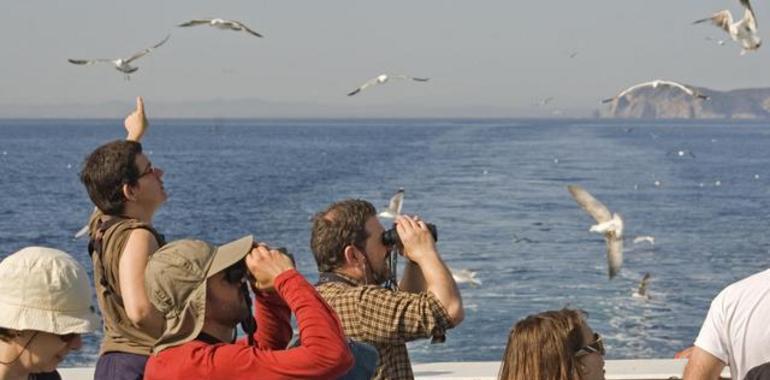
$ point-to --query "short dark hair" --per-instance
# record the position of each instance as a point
(106, 170)
(341, 224)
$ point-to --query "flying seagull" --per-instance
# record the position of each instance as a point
(641, 292)
(383, 78)
(609, 224)
(465, 276)
(655, 84)
(647, 238)
(221, 24)
(121, 64)
(743, 31)
(394, 207)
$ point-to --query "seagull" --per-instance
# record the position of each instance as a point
(646, 238)
(221, 24)
(517, 239)
(609, 224)
(465, 276)
(655, 84)
(743, 31)
(681, 153)
(641, 292)
(383, 78)
(573, 54)
(394, 208)
(121, 64)
(544, 102)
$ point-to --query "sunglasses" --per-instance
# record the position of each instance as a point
(235, 273)
(149, 170)
(596, 346)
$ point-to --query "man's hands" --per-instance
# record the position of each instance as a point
(416, 238)
(136, 123)
(265, 265)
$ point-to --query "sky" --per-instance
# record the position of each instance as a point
(485, 57)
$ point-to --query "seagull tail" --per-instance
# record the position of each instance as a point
(356, 91)
(701, 20)
(608, 100)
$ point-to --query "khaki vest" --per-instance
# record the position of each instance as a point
(120, 335)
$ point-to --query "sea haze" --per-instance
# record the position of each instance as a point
(481, 182)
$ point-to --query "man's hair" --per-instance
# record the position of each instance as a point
(106, 170)
(341, 224)
(543, 346)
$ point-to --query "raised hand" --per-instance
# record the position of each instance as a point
(136, 122)
(265, 265)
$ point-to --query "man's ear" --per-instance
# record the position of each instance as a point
(128, 192)
(352, 255)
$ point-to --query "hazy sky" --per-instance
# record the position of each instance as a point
(484, 53)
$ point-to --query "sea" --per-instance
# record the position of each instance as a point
(496, 189)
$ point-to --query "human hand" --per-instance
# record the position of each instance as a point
(136, 123)
(265, 265)
(416, 238)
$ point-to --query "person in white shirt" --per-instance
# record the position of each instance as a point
(735, 332)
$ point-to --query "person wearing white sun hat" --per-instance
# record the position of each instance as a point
(45, 304)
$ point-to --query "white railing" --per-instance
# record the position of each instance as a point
(646, 369)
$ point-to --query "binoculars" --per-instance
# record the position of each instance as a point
(390, 237)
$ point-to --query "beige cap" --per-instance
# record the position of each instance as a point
(45, 289)
(175, 279)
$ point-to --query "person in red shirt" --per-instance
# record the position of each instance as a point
(201, 289)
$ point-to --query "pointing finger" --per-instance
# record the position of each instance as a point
(139, 105)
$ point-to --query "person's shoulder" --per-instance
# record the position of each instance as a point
(761, 279)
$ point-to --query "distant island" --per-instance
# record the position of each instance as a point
(666, 102)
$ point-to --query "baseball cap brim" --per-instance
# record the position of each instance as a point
(229, 254)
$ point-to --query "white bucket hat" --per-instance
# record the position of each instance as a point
(44, 289)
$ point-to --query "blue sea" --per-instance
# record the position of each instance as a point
(485, 183)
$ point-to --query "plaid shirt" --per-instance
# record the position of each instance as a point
(386, 320)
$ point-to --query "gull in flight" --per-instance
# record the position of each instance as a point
(641, 292)
(655, 84)
(221, 24)
(121, 64)
(681, 153)
(384, 78)
(608, 224)
(646, 238)
(743, 31)
(465, 276)
(394, 207)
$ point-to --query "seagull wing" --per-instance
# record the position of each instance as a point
(368, 83)
(749, 19)
(396, 201)
(82, 232)
(145, 51)
(195, 22)
(407, 77)
(246, 29)
(592, 206)
(89, 61)
(642, 291)
(614, 254)
(722, 19)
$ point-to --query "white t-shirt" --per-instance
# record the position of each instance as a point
(737, 327)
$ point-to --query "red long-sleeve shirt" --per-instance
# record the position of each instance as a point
(323, 354)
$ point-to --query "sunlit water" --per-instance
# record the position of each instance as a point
(483, 183)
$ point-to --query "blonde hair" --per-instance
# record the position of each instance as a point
(543, 347)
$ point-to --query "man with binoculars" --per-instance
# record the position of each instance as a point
(349, 245)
